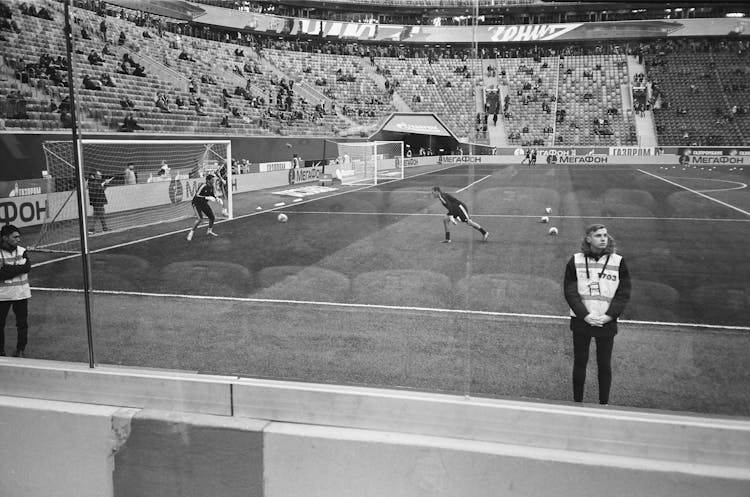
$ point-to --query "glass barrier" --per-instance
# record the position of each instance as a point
(306, 264)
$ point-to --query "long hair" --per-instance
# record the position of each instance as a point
(586, 247)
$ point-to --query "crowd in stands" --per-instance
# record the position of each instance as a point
(270, 98)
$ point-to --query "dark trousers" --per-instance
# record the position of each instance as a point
(21, 311)
(100, 215)
(581, 345)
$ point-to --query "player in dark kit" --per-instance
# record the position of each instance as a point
(456, 211)
(203, 195)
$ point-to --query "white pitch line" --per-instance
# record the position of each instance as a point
(740, 186)
(696, 192)
(472, 184)
(378, 306)
(525, 216)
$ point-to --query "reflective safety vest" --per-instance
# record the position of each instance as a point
(597, 281)
(16, 288)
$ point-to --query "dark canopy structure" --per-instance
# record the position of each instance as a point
(417, 129)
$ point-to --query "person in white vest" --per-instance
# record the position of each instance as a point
(597, 289)
(15, 291)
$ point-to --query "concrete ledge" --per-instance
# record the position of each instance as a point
(372, 464)
(600, 430)
(116, 385)
(703, 447)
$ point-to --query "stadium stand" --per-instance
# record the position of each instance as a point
(701, 92)
(561, 94)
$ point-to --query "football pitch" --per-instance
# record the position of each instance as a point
(356, 287)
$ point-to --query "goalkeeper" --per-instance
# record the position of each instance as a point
(203, 195)
(456, 211)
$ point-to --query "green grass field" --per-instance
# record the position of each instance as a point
(357, 289)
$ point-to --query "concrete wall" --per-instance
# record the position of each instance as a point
(59, 448)
(68, 430)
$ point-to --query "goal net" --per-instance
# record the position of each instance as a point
(145, 182)
(369, 162)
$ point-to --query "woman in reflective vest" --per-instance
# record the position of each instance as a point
(15, 291)
(597, 289)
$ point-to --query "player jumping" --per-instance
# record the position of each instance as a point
(200, 201)
(456, 211)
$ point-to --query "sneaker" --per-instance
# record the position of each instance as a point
(453, 220)
(190, 235)
(486, 236)
(91, 232)
(211, 233)
(18, 353)
(445, 241)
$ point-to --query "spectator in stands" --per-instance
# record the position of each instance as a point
(66, 119)
(122, 39)
(185, 56)
(225, 122)
(129, 124)
(107, 80)
(127, 104)
(44, 14)
(91, 83)
(162, 102)
(106, 50)
(180, 102)
(103, 30)
(597, 297)
(198, 104)
(85, 34)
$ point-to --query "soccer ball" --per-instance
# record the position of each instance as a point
(544, 219)
(548, 210)
(282, 218)
(553, 231)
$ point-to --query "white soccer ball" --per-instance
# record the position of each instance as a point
(282, 218)
(553, 231)
(544, 219)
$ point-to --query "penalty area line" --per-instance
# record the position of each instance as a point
(696, 192)
(436, 310)
(474, 183)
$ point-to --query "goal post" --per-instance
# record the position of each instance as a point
(146, 182)
(369, 162)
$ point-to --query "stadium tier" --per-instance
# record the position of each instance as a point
(149, 76)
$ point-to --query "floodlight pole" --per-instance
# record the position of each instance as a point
(477, 73)
(77, 153)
